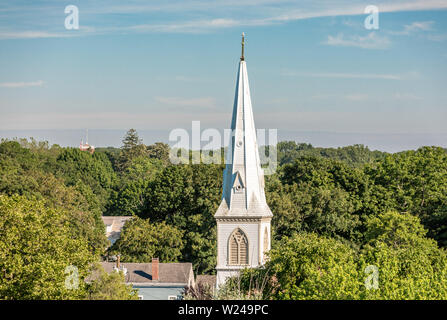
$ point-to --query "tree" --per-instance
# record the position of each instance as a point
(22, 172)
(409, 265)
(112, 154)
(132, 148)
(159, 151)
(301, 207)
(396, 261)
(105, 286)
(187, 196)
(308, 266)
(129, 198)
(36, 248)
(141, 240)
(414, 182)
(94, 171)
(318, 195)
(354, 156)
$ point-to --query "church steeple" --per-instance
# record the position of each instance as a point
(243, 217)
(243, 187)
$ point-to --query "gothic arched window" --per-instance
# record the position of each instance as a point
(238, 248)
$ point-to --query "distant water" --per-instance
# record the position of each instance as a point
(375, 141)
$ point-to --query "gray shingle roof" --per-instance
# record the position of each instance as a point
(169, 273)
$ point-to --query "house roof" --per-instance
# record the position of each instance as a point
(168, 273)
(114, 225)
(116, 222)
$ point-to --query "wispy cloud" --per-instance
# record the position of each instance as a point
(196, 26)
(183, 16)
(30, 35)
(346, 75)
(415, 27)
(371, 41)
(21, 84)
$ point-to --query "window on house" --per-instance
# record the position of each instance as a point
(238, 248)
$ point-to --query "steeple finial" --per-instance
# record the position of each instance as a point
(243, 44)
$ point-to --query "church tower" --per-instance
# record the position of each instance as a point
(243, 217)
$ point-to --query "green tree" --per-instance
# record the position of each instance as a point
(36, 247)
(22, 172)
(109, 286)
(301, 207)
(160, 151)
(318, 195)
(410, 266)
(130, 196)
(132, 148)
(354, 156)
(94, 171)
(141, 240)
(187, 196)
(112, 154)
(414, 182)
(308, 266)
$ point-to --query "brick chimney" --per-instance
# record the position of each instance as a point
(155, 269)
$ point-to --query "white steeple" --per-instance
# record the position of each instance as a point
(243, 186)
(243, 217)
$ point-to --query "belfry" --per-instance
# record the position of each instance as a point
(243, 217)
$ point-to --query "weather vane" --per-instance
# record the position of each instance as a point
(243, 43)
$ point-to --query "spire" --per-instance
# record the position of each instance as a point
(243, 44)
(243, 185)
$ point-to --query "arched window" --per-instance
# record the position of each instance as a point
(238, 248)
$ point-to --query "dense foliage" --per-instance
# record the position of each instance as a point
(336, 211)
(141, 240)
(396, 261)
(109, 286)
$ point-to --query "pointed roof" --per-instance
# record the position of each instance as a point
(243, 186)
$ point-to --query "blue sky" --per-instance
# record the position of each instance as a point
(158, 65)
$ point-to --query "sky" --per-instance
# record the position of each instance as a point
(316, 74)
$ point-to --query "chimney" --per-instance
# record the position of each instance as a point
(154, 269)
(118, 261)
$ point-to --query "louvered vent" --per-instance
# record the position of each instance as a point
(238, 248)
